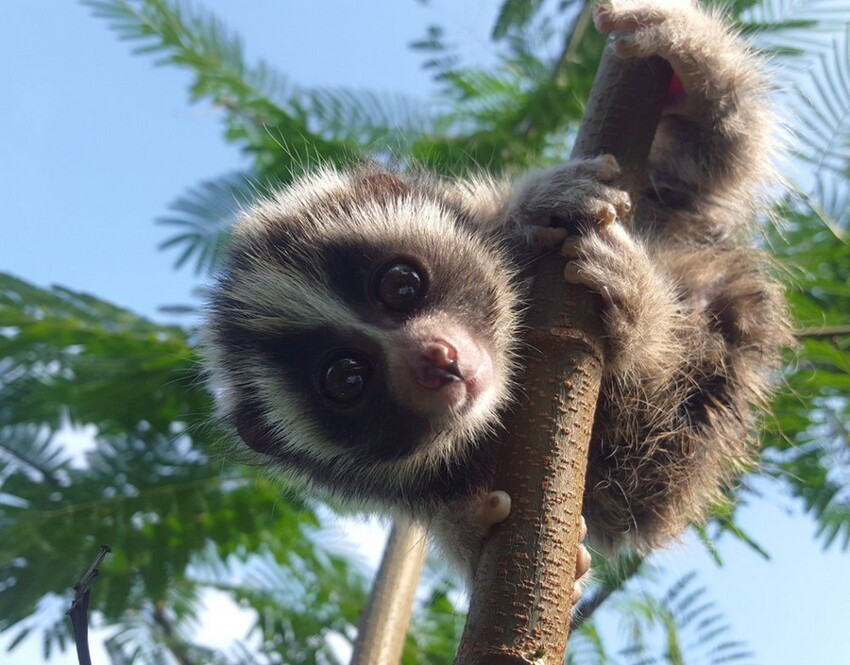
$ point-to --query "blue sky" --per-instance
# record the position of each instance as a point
(98, 142)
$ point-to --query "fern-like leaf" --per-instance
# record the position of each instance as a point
(514, 14)
(203, 216)
(824, 129)
(678, 626)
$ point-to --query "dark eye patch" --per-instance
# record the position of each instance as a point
(373, 422)
(375, 281)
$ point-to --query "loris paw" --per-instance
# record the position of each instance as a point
(580, 193)
(672, 29)
(640, 305)
(632, 15)
(605, 259)
(550, 205)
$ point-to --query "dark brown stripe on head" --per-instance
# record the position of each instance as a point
(380, 187)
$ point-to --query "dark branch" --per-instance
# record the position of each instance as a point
(175, 645)
(79, 611)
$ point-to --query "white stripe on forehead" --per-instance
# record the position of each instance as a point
(310, 186)
(410, 218)
(321, 192)
(307, 189)
(304, 193)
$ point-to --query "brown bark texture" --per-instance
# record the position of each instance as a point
(522, 595)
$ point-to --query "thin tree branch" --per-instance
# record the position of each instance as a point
(171, 640)
(825, 331)
(572, 38)
(576, 34)
(383, 624)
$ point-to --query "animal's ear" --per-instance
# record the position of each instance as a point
(380, 186)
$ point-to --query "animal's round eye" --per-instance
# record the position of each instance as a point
(345, 378)
(400, 286)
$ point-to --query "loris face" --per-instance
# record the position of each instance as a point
(361, 332)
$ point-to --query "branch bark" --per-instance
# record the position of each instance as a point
(520, 607)
(383, 624)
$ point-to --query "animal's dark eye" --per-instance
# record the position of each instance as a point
(400, 286)
(345, 378)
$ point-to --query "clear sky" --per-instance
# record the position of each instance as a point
(97, 142)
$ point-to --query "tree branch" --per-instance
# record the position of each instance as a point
(170, 638)
(825, 331)
(582, 22)
(572, 38)
(79, 610)
(383, 624)
(521, 600)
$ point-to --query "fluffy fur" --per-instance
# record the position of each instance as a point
(695, 324)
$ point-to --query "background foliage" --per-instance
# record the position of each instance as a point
(181, 522)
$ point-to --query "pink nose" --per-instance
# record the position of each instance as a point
(438, 365)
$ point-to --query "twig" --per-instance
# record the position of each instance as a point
(825, 331)
(572, 38)
(79, 611)
(175, 645)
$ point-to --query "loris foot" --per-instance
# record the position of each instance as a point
(462, 525)
(494, 507)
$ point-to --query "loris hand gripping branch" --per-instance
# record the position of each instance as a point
(363, 334)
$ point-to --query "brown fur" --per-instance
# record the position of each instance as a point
(695, 323)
